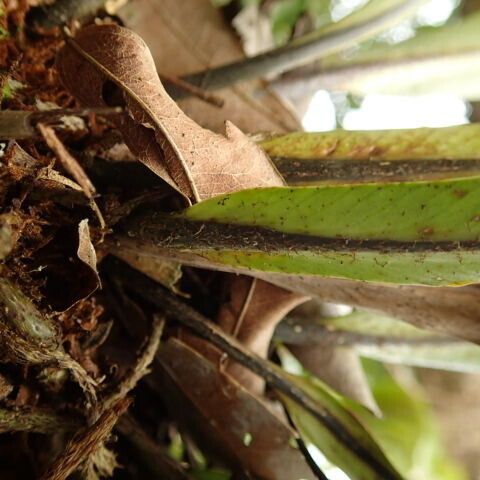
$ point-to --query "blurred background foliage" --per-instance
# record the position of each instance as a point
(421, 73)
(369, 86)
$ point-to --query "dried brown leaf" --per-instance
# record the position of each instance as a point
(200, 163)
(87, 254)
(49, 174)
(267, 305)
(182, 43)
(228, 419)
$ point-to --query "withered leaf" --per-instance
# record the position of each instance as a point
(86, 251)
(251, 314)
(108, 64)
(182, 43)
(231, 421)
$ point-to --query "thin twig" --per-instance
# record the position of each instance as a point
(71, 165)
(20, 124)
(245, 307)
(274, 377)
(85, 443)
(46, 115)
(68, 162)
(141, 368)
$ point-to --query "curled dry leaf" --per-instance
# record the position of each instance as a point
(86, 252)
(108, 64)
(253, 311)
(182, 43)
(70, 164)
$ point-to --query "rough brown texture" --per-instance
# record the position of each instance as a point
(85, 443)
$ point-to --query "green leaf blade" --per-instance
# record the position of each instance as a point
(343, 454)
(368, 156)
(414, 211)
(434, 269)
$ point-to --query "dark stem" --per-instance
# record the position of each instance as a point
(174, 232)
(306, 454)
(204, 328)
